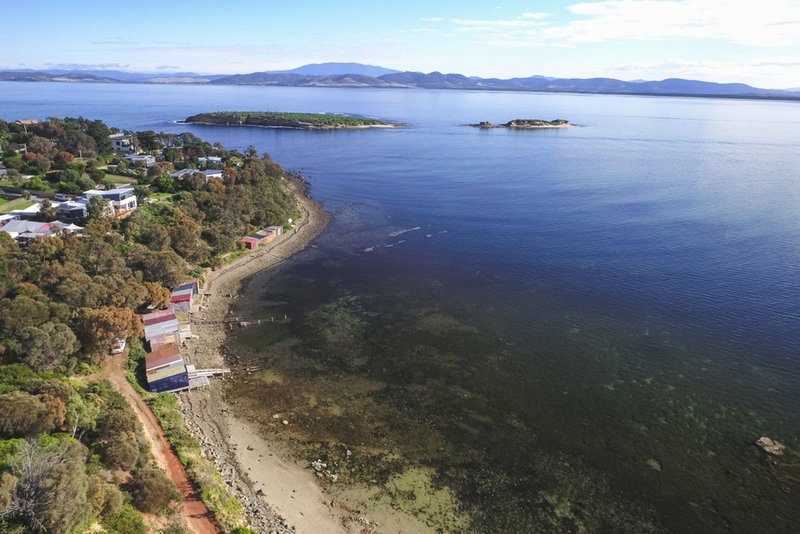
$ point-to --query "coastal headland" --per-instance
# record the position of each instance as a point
(525, 124)
(299, 121)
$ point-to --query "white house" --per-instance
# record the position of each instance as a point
(123, 199)
(211, 173)
(204, 161)
(122, 143)
(143, 159)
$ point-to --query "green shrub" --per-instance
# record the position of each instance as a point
(151, 490)
(126, 521)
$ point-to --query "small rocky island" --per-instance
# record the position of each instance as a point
(526, 124)
(276, 119)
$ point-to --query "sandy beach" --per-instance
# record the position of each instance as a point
(279, 494)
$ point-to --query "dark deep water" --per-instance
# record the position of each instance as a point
(584, 328)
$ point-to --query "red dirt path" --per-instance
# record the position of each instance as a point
(194, 511)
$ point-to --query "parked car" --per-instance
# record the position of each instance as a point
(61, 197)
(119, 346)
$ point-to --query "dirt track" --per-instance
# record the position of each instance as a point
(193, 509)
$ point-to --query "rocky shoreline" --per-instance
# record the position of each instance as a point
(295, 121)
(222, 436)
(279, 494)
(525, 124)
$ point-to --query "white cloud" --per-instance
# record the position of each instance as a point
(431, 19)
(535, 16)
(490, 25)
(762, 23)
(86, 66)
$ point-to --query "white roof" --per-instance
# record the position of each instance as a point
(178, 174)
(115, 191)
(34, 208)
(71, 227)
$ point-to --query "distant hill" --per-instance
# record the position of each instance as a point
(333, 69)
(360, 75)
(104, 76)
(299, 80)
(39, 76)
(674, 86)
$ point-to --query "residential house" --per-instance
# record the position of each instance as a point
(210, 173)
(123, 199)
(27, 122)
(122, 143)
(178, 175)
(25, 230)
(143, 159)
(72, 209)
(22, 229)
(212, 160)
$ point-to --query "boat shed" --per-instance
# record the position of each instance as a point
(161, 328)
(165, 369)
(183, 295)
(261, 237)
(275, 230)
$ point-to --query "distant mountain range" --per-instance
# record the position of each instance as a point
(334, 69)
(359, 75)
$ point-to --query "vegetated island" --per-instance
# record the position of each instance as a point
(526, 124)
(276, 119)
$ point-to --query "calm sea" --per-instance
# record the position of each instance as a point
(582, 328)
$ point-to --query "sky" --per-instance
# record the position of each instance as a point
(751, 41)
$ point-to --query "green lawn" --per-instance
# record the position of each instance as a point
(162, 197)
(235, 255)
(117, 179)
(16, 204)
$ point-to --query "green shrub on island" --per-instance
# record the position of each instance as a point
(277, 119)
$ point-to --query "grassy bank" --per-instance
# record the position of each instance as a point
(228, 511)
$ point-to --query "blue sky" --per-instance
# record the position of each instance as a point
(753, 41)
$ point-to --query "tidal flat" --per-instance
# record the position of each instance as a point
(422, 399)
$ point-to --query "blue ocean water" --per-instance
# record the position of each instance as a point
(619, 300)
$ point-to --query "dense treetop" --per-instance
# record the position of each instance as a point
(279, 119)
(65, 299)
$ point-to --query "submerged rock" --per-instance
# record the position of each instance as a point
(770, 446)
(654, 464)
